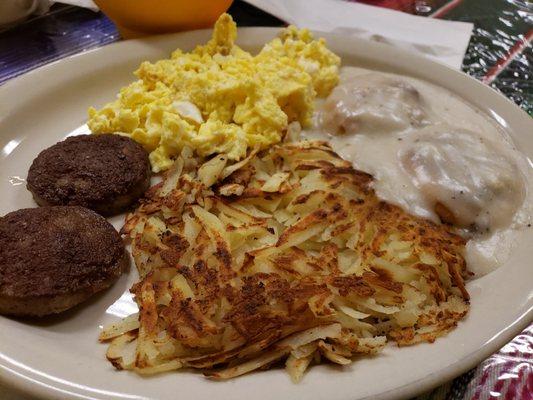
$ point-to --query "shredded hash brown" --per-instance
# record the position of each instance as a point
(286, 255)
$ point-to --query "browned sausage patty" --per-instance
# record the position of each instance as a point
(53, 258)
(106, 173)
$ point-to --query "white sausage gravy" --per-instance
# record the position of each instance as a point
(434, 155)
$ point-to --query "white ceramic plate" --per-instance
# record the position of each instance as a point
(61, 358)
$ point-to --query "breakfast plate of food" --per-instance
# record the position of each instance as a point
(258, 213)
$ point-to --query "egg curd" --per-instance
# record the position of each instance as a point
(219, 98)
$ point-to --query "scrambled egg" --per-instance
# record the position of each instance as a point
(219, 98)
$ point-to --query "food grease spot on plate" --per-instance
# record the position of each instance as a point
(16, 180)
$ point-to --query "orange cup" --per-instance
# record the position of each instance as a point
(136, 18)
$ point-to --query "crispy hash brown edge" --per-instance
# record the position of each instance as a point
(286, 255)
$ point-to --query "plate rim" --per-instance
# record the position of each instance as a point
(13, 375)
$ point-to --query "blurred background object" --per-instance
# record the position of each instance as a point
(14, 11)
(142, 17)
(441, 40)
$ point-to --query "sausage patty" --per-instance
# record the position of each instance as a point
(106, 173)
(53, 258)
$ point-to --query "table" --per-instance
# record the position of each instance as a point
(499, 54)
